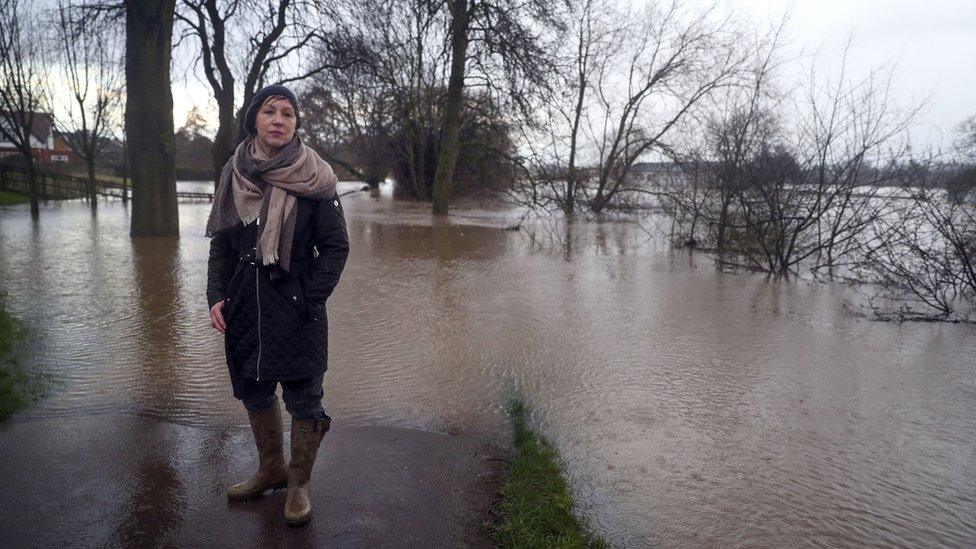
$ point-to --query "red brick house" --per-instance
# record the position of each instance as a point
(45, 147)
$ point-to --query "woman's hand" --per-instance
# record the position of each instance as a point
(217, 316)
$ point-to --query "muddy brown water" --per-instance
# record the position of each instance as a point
(692, 408)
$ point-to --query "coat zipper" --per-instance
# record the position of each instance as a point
(257, 294)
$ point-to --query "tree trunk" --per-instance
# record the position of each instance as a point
(149, 116)
(374, 176)
(92, 188)
(450, 142)
(239, 114)
(569, 204)
(600, 199)
(32, 186)
(723, 221)
(225, 140)
(599, 202)
(418, 148)
(125, 171)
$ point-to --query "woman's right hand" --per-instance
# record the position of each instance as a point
(217, 316)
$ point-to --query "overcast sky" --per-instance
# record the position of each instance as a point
(933, 43)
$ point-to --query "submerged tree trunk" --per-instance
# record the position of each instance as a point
(450, 142)
(125, 170)
(31, 175)
(149, 116)
(92, 188)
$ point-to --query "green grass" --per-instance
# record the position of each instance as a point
(18, 387)
(7, 198)
(537, 504)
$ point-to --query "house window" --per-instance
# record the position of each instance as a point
(59, 158)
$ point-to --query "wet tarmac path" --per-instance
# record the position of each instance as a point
(110, 481)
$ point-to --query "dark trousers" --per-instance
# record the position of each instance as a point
(303, 397)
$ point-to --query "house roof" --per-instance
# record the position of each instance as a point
(41, 124)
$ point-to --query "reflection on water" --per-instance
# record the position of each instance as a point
(693, 408)
(156, 503)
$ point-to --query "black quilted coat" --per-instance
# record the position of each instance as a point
(277, 330)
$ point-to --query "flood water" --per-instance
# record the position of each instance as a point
(692, 408)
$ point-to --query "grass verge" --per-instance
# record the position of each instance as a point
(7, 198)
(536, 509)
(18, 387)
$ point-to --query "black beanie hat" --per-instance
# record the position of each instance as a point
(251, 116)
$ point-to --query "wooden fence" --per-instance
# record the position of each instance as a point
(59, 186)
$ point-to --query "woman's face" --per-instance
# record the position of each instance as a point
(275, 124)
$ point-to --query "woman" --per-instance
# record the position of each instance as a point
(279, 246)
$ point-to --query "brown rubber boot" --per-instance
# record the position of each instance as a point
(306, 436)
(268, 437)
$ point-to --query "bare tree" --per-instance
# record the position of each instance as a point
(500, 40)
(552, 175)
(348, 115)
(412, 64)
(804, 185)
(672, 60)
(383, 112)
(149, 117)
(22, 85)
(922, 266)
(92, 69)
(588, 41)
(629, 78)
(462, 13)
(246, 44)
(737, 126)
(851, 137)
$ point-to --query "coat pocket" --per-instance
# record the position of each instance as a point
(295, 295)
(314, 309)
(237, 293)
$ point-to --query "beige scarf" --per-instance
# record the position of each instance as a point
(254, 186)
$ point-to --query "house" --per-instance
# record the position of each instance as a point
(45, 147)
